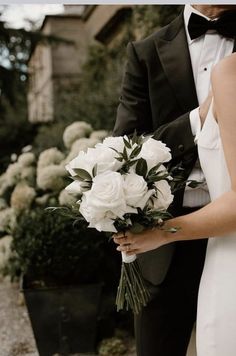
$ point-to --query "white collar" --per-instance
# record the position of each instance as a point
(188, 10)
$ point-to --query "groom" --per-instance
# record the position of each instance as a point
(166, 91)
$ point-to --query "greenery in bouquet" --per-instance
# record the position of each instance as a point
(123, 184)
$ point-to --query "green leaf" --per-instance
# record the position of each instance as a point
(157, 178)
(85, 185)
(77, 178)
(127, 144)
(193, 183)
(141, 168)
(134, 137)
(140, 139)
(114, 150)
(154, 169)
(95, 169)
(82, 173)
(137, 228)
(135, 151)
(125, 154)
(131, 163)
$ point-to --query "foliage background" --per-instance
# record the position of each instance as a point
(43, 245)
(101, 82)
(98, 93)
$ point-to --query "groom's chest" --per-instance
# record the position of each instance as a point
(179, 74)
(205, 52)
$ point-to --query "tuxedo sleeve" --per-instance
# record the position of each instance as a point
(134, 111)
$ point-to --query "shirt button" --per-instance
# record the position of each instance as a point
(181, 147)
(205, 69)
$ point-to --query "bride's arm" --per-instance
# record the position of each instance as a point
(218, 217)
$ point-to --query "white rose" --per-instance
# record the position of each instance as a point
(106, 160)
(154, 152)
(115, 142)
(66, 199)
(84, 160)
(136, 190)
(163, 171)
(164, 196)
(101, 222)
(74, 187)
(101, 156)
(105, 201)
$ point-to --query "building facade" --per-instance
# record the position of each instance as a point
(55, 67)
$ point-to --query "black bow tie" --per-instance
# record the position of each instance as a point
(225, 25)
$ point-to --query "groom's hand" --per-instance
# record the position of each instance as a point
(204, 108)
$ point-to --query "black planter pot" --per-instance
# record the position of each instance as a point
(64, 320)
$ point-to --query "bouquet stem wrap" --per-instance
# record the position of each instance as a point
(131, 292)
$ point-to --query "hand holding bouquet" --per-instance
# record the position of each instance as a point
(122, 184)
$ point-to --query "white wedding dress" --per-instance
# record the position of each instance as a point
(216, 318)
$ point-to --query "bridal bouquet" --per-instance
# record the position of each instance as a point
(122, 184)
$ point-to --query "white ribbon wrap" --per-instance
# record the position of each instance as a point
(128, 259)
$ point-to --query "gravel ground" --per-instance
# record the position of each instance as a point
(16, 338)
(15, 331)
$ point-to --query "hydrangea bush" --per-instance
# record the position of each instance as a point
(36, 181)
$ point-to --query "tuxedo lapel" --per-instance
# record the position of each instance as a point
(172, 48)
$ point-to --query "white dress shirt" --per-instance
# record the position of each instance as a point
(205, 52)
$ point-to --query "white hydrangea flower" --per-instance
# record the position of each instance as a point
(22, 197)
(13, 173)
(49, 157)
(3, 204)
(3, 184)
(27, 148)
(13, 157)
(5, 250)
(81, 144)
(51, 178)
(43, 200)
(99, 134)
(28, 174)
(26, 159)
(7, 219)
(76, 130)
(66, 199)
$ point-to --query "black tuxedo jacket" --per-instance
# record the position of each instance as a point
(158, 93)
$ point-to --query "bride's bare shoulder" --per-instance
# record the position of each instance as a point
(223, 80)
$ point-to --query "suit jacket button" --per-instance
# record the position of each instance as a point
(181, 147)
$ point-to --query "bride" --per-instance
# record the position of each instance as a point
(216, 319)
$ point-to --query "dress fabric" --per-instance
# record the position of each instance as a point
(216, 317)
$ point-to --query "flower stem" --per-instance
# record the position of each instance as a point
(132, 293)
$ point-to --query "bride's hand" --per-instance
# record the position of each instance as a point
(147, 240)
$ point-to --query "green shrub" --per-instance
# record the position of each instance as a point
(51, 251)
